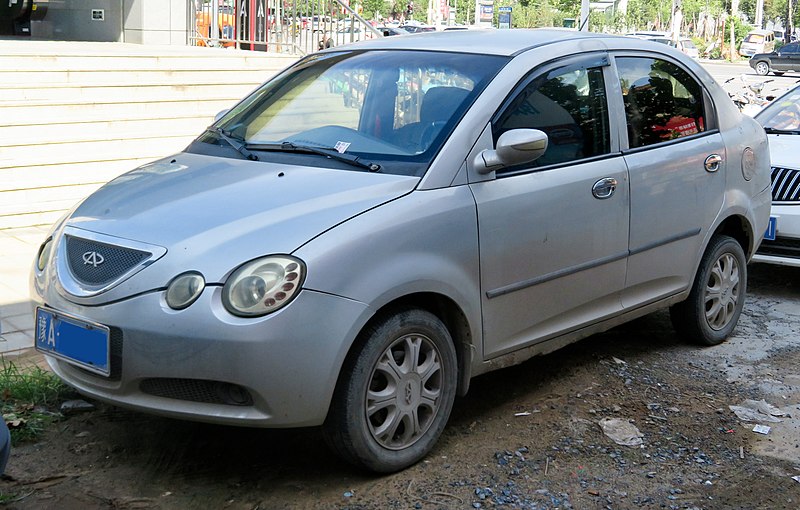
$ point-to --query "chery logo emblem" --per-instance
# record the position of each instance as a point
(93, 258)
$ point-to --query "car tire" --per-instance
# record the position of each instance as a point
(710, 313)
(395, 392)
(762, 68)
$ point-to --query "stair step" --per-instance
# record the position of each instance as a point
(13, 80)
(48, 199)
(86, 152)
(49, 176)
(76, 115)
(131, 93)
(34, 114)
(79, 63)
(39, 134)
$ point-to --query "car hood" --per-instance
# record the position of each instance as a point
(783, 150)
(212, 214)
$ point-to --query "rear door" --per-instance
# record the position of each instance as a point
(787, 58)
(554, 233)
(676, 160)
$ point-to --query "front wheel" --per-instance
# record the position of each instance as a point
(395, 393)
(710, 313)
(762, 68)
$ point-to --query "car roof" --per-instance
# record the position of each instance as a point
(487, 42)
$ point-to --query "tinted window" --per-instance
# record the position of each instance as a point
(791, 48)
(570, 107)
(662, 102)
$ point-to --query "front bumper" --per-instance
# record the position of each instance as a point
(204, 364)
(785, 249)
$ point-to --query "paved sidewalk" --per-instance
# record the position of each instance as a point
(18, 248)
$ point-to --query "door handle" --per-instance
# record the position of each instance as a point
(713, 162)
(604, 188)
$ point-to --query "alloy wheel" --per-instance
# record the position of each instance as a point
(404, 392)
(722, 292)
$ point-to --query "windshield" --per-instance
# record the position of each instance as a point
(392, 109)
(783, 114)
(754, 38)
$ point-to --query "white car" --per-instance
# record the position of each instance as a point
(684, 45)
(781, 120)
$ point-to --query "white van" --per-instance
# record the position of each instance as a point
(757, 41)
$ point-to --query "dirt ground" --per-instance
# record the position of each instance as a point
(525, 437)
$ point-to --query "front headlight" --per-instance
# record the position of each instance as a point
(184, 290)
(263, 285)
(44, 254)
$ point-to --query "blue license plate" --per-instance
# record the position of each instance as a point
(772, 227)
(74, 340)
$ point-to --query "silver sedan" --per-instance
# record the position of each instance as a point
(379, 223)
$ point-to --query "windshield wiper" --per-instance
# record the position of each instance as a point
(312, 149)
(236, 143)
(774, 131)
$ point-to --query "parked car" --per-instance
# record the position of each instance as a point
(778, 62)
(757, 41)
(688, 47)
(352, 34)
(684, 45)
(390, 31)
(379, 223)
(417, 29)
(647, 34)
(781, 120)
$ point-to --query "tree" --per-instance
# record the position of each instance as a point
(373, 8)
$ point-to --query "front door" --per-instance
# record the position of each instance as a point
(554, 233)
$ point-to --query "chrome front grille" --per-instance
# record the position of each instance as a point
(785, 185)
(95, 263)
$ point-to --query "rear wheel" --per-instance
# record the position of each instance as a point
(762, 68)
(710, 313)
(395, 393)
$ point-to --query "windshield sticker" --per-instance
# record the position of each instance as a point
(341, 147)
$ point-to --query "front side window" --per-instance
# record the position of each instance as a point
(662, 101)
(391, 108)
(570, 107)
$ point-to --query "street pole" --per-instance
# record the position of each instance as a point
(759, 13)
(583, 25)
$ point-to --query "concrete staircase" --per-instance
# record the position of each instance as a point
(75, 115)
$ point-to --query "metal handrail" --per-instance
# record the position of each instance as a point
(295, 27)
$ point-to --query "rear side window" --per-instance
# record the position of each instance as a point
(570, 107)
(662, 101)
(791, 48)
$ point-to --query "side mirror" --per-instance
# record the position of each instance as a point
(220, 115)
(514, 147)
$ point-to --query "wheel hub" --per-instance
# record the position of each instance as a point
(404, 394)
(722, 292)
